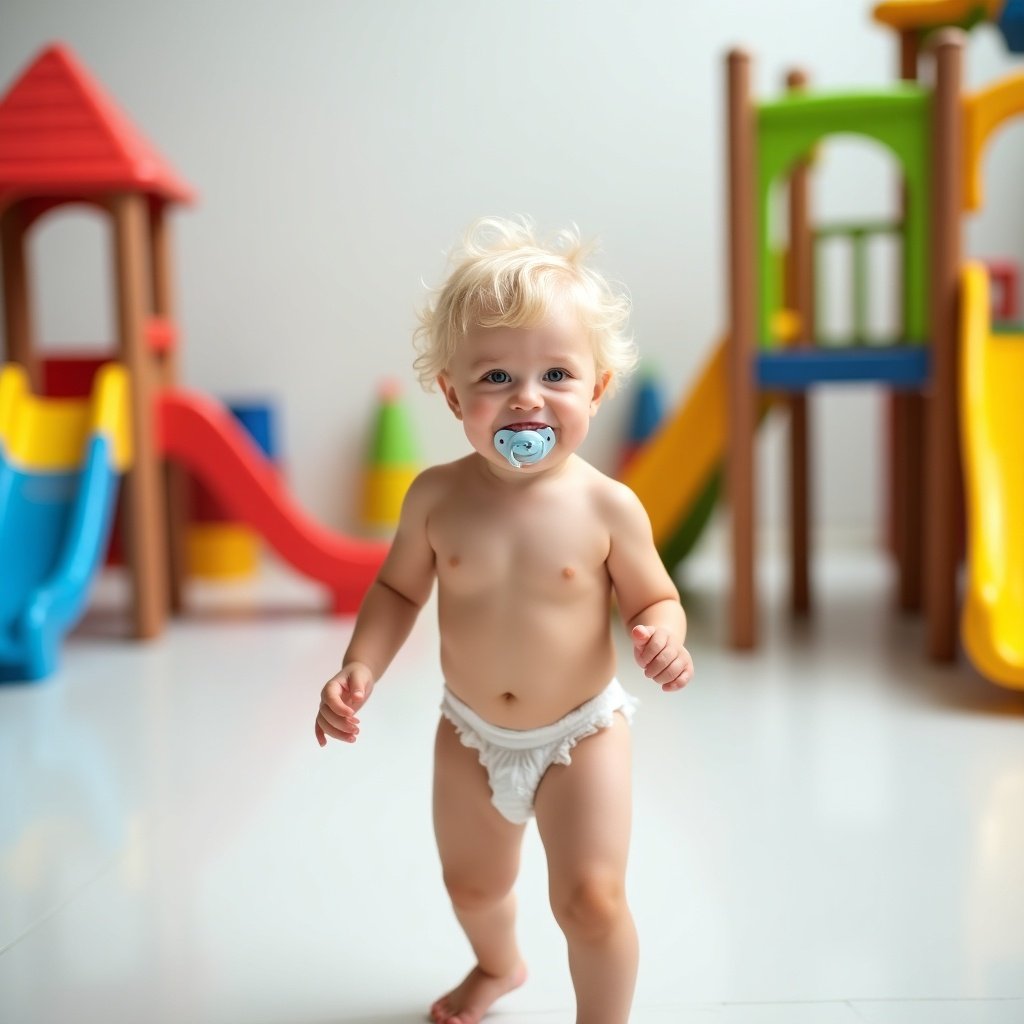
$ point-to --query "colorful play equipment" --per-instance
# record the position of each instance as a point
(920, 18)
(64, 140)
(198, 433)
(392, 463)
(992, 390)
(219, 547)
(1004, 281)
(646, 414)
(60, 465)
(774, 346)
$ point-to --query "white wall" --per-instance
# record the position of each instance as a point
(340, 147)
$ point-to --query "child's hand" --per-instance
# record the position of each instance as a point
(662, 657)
(340, 699)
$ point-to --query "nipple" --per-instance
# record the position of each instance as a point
(524, 446)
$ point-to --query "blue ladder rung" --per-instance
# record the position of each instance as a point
(905, 367)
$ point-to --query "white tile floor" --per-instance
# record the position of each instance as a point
(828, 832)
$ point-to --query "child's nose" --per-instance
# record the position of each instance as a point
(527, 396)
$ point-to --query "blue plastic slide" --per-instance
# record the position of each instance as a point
(60, 464)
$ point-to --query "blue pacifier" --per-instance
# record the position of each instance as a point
(524, 446)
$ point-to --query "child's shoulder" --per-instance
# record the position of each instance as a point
(612, 497)
(436, 481)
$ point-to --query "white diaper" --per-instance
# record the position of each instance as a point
(516, 759)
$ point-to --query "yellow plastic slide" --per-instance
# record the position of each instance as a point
(992, 437)
(672, 470)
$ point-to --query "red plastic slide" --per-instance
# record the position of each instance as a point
(204, 437)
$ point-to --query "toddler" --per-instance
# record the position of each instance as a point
(528, 544)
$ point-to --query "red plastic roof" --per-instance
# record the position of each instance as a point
(60, 132)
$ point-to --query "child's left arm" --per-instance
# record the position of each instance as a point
(648, 599)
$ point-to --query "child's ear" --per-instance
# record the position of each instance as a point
(449, 395)
(600, 386)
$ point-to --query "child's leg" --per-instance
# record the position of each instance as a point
(583, 812)
(480, 857)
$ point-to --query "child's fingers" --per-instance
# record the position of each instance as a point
(332, 717)
(646, 651)
(671, 672)
(339, 700)
(641, 634)
(337, 725)
(678, 676)
(348, 735)
(655, 666)
(674, 679)
(358, 684)
(331, 699)
(679, 683)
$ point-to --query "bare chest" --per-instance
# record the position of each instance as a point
(538, 552)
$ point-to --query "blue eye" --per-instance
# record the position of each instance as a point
(497, 377)
(556, 376)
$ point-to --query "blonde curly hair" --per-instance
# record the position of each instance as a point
(502, 276)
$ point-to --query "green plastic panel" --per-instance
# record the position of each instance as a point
(899, 119)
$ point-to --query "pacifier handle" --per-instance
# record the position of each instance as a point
(524, 446)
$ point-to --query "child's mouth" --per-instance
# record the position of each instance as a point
(528, 425)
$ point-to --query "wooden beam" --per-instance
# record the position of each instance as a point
(741, 341)
(800, 297)
(145, 529)
(906, 432)
(18, 329)
(175, 481)
(942, 452)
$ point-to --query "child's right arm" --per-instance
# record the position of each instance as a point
(385, 617)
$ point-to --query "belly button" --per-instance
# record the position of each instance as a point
(508, 698)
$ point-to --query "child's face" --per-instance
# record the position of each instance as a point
(520, 377)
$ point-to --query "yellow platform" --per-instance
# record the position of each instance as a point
(904, 15)
(49, 434)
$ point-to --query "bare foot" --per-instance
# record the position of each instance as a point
(474, 997)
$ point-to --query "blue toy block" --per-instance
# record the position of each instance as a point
(648, 410)
(258, 420)
(1011, 24)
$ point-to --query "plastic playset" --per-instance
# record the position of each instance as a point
(64, 140)
(956, 377)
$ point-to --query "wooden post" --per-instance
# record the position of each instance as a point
(910, 52)
(17, 300)
(145, 530)
(742, 342)
(174, 475)
(942, 451)
(906, 434)
(800, 297)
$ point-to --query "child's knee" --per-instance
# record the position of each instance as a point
(591, 906)
(476, 893)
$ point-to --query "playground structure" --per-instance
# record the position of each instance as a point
(60, 464)
(64, 141)
(773, 352)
